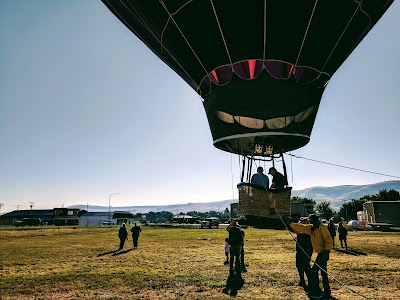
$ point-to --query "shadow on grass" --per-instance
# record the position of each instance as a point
(109, 252)
(351, 251)
(115, 252)
(233, 284)
(122, 252)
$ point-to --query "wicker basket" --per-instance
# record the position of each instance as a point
(261, 203)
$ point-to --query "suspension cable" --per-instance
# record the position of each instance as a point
(341, 166)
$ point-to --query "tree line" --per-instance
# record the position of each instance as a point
(349, 209)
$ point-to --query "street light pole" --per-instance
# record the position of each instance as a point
(109, 205)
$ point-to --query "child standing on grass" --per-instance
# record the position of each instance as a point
(227, 248)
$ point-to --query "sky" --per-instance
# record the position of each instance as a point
(87, 110)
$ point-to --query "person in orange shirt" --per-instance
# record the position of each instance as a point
(321, 241)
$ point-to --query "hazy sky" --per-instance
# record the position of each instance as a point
(87, 110)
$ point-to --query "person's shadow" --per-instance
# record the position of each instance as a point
(109, 252)
(351, 251)
(115, 252)
(122, 252)
(234, 283)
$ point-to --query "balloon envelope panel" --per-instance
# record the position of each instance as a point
(260, 66)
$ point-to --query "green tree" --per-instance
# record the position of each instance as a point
(383, 195)
(348, 211)
(324, 209)
(308, 203)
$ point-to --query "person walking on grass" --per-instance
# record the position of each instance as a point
(322, 244)
(136, 230)
(342, 235)
(332, 231)
(123, 235)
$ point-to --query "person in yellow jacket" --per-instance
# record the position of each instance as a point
(322, 244)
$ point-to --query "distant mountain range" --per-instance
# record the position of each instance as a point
(335, 194)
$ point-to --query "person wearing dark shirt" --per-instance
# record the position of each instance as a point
(242, 265)
(304, 251)
(278, 180)
(136, 230)
(123, 235)
(332, 231)
(342, 235)
(236, 242)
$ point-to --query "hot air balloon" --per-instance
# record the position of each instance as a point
(260, 66)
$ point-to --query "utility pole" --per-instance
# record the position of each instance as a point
(109, 205)
(345, 205)
(17, 206)
(31, 204)
(1, 205)
(87, 210)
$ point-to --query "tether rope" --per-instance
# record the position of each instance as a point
(314, 262)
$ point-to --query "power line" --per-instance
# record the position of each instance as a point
(340, 166)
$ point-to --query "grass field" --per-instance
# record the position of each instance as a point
(82, 263)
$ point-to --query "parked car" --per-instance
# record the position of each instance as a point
(27, 222)
(209, 222)
(109, 222)
(19, 223)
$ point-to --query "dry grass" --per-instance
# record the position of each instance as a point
(182, 264)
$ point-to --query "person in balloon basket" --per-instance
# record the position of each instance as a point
(304, 252)
(278, 180)
(236, 242)
(123, 235)
(136, 230)
(322, 244)
(260, 179)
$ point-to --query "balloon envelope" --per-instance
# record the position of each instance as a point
(260, 66)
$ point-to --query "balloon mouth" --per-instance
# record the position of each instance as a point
(245, 144)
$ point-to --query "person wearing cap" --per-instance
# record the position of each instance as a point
(260, 178)
(322, 244)
(123, 235)
(278, 180)
(304, 251)
(236, 242)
